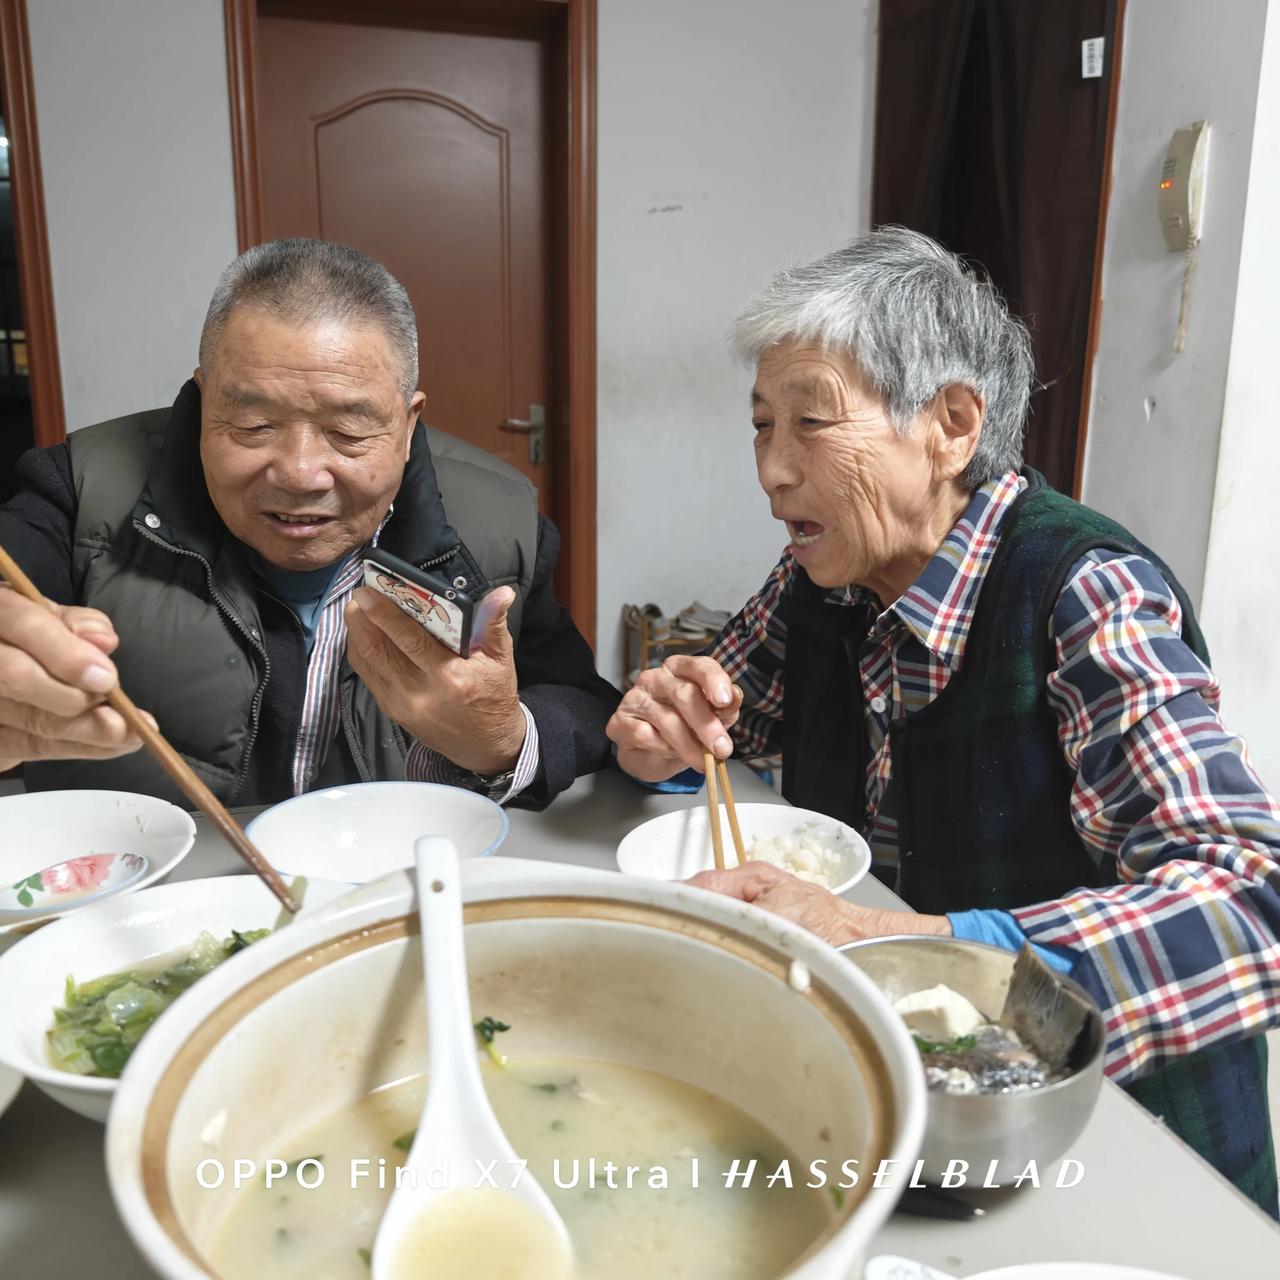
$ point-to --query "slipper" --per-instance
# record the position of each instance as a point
(659, 627)
(698, 614)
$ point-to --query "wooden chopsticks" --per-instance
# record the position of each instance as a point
(174, 765)
(716, 768)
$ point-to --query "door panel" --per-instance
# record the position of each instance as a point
(427, 151)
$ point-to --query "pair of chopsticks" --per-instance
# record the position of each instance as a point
(716, 768)
(174, 765)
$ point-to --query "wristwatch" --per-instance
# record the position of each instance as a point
(496, 785)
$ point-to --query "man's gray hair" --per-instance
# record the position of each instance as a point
(916, 319)
(302, 281)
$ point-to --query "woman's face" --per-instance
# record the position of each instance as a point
(863, 504)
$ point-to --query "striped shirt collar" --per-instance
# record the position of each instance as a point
(939, 605)
(352, 567)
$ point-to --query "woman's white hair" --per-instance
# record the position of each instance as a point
(916, 319)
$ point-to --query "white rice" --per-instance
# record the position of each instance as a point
(812, 852)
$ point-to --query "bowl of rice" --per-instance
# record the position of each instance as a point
(810, 845)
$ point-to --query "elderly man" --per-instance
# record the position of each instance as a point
(209, 556)
(1003, 690)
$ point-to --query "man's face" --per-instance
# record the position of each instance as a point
(304, 435)
(854, 493)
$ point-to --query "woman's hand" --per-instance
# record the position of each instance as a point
(817, 909)
(672, 715)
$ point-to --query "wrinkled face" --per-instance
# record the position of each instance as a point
(858, 498)
(304, 435)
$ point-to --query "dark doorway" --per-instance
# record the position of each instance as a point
(990, 139)
(17, 429)
(30, 381)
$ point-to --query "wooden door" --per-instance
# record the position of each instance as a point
(428, 151)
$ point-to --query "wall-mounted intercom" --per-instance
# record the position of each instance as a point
(1182, 207)
(1182, 187)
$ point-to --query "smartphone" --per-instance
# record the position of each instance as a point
(433, 602)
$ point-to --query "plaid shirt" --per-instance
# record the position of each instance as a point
(1187, 945)
(321, 708)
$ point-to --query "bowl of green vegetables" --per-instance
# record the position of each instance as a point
(84, 991)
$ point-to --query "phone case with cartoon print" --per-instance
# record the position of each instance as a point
(441, 609)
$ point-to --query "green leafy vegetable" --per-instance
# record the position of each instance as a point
(959, 1045)
(572, 1087)
(405, 1140)
(365, 1255)
(100, 1021)
(486, 1029)
(837, 1194)
(297, 891)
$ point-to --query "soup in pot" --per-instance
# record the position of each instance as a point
(635, 1162)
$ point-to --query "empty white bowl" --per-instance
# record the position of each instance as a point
(678, 845)
(45, 827)
(108, 937)
(360, 832)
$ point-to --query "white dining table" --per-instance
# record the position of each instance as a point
(1145, 1199)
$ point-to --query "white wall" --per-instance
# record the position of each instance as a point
(135, 144)
(734, 137)
(1242, 581)
(1183, 61)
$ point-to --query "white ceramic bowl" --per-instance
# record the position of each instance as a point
(360, 832)
(44, 827)
(580, 963)
(108, 937)
(678, 845)
(10, 1083)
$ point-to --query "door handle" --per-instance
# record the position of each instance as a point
(534, 426)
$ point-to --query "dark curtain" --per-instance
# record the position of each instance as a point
(988, 139)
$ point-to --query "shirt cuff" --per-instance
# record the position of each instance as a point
(682, 784)
(422, 764)
(1000, 929)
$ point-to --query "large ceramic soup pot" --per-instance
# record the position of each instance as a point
(719, 1051)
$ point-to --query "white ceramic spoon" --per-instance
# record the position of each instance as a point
(70, 883)
(458, 1129)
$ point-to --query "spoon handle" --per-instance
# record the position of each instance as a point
(448, 1000)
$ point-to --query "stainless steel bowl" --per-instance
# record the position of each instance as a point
(1011, 1129)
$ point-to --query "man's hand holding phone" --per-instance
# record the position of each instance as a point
(465, 708)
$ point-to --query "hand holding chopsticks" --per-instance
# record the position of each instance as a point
(174, 765)
(716, 768)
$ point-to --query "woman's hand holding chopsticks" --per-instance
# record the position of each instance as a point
(673, 716)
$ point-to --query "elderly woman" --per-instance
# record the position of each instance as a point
(1003, 690)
